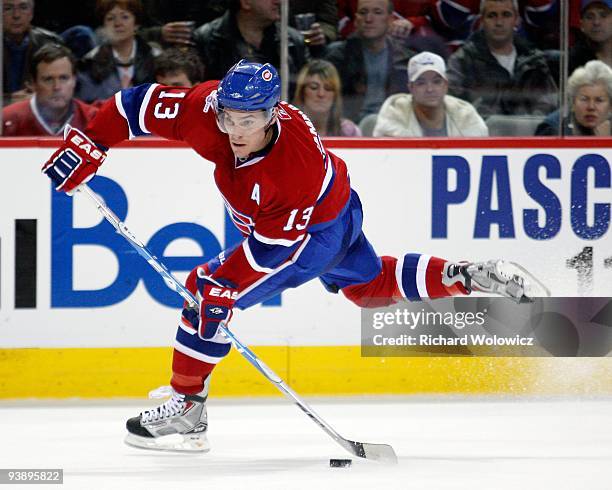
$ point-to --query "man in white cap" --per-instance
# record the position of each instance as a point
(428, 110)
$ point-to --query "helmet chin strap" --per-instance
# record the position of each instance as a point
(273, 119)
(272, 122)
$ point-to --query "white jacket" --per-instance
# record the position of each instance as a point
(397, 118)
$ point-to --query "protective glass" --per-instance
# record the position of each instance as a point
(243, 122)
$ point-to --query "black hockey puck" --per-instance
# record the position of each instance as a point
(340, 463)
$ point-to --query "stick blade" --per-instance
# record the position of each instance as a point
(383, 453)
(380, 452)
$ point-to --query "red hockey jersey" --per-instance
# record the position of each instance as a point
(275, 199)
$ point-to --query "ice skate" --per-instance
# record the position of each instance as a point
(496, 277)
(179, 424)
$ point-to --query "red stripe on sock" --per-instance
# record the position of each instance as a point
(188, 374)
(433, 278)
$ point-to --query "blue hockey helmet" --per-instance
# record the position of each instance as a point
(249, 87)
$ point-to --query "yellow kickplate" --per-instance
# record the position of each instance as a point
(329, 370)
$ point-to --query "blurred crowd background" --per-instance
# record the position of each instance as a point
(403, 68)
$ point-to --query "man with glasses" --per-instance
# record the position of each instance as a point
(21, 41)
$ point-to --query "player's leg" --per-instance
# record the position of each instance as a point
(371, 281)
(183, 417)
(413, 277)
(195, 358)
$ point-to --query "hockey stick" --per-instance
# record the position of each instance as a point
(377, 452)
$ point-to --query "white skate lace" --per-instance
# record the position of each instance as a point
(174, 406)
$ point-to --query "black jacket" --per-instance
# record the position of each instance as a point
(326, 13)
(347, 57)
(475, 75)
(221, 45)
(98, 77)
(580, 53)
(160, 12)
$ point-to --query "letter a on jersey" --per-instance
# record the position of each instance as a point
(255, 193)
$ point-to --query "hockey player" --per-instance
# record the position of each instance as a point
(291, 199)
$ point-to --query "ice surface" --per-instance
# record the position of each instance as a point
(441, 444)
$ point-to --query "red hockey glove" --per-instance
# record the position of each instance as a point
(216, 305)
(75, 163)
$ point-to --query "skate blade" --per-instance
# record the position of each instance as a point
(532, 287)
(188, 443)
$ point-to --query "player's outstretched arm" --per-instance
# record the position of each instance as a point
(138, 111)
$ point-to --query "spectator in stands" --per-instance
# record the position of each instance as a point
(249, 30)
(428, 110)
(457, 20)
(319, 95)
(324, 30)
(53, 106)
(21, 41)
(589, 91)
(498, 72)
(178, 68)
(411, 24)
(172, 22)
(124, 60)
(408, 16)
(595, 39)
(371, 63)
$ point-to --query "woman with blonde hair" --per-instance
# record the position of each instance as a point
(318, 93)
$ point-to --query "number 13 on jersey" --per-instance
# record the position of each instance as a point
(170, 107)
(303, 221)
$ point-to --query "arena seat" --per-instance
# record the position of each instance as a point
(504, 125)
